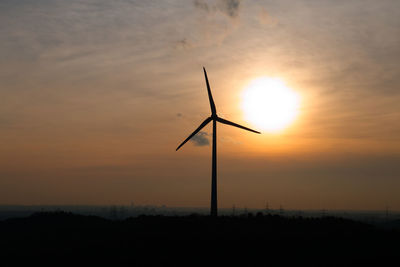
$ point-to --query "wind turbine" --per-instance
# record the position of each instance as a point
(214, 118)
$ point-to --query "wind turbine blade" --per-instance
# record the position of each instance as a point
(195, 132)
(212, 105)
(236, 125)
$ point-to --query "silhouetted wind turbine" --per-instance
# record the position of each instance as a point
(214, 118)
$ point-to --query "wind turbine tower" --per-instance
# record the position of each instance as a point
(214, 118)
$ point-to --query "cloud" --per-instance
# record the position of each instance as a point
(218, 20)
(201, 4)
(200, 139)
(230, 140)
(227, 7)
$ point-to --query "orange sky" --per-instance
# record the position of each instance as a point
(95, 97)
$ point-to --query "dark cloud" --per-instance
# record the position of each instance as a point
(230, 7)
(200, 139)
(227, 7)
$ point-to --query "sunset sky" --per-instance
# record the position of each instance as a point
(96, 95)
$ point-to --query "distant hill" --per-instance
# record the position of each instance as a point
(61, 238)
(392, 225)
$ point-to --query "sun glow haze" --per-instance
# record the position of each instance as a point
(269, 104)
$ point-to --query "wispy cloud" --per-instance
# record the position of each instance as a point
(218, 20)
(183, 44)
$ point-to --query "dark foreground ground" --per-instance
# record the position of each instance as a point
(65, 239)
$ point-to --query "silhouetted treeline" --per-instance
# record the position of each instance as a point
(60, 238)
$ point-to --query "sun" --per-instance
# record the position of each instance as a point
(269, 104)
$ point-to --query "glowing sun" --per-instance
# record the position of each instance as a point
(269, 104)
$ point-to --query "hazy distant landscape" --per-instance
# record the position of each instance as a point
(120, 212)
